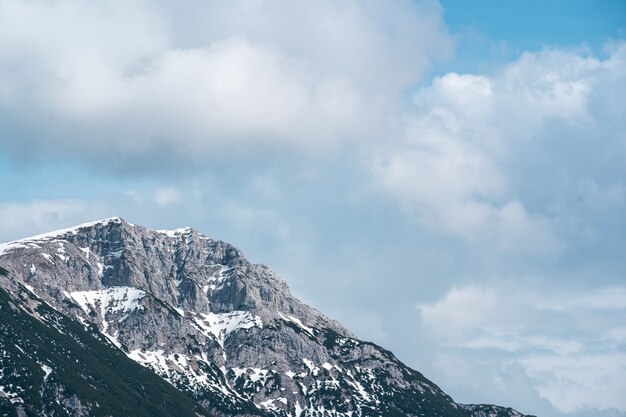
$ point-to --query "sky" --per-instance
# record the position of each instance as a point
(447, 178)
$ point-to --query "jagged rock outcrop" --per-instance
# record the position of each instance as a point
(221, 329)
(50, 365)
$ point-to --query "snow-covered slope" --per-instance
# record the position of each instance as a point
(223, 330)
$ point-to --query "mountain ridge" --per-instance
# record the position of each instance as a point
(56, 365)
(219, 328)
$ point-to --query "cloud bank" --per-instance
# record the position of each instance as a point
(485, 156)
(567, 347)
(117, 81)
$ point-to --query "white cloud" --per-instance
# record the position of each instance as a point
(612, 298)
(473, 144)
(149, 207)
(455, 186)
(566, 345)
(22, 219)
(571, 382)
(167, 195)
(113, 81)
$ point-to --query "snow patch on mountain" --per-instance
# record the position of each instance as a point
(108, 301)
(297, 322)
(196, 372)
(215, 282)
(490, 410)
(6, 247)
(175, 232)
(220, 325)
(31, 242)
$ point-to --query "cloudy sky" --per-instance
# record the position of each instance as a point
(447, 179)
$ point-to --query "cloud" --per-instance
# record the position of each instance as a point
(113, 82)
(22, 219)
(167, 195)
(567, 346)
(278, 111)
(592, 380)
(484, 157)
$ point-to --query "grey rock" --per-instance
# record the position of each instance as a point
(213, 324)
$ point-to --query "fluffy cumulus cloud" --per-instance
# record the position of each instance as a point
(485, 157)
(116, 80)
(566, 348)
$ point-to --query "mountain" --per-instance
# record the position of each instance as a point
(228, 334)
(50, 365)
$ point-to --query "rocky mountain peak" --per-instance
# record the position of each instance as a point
(221, 329)
(181, 267)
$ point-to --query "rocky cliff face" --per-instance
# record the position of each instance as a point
(225, 331)
(50, 365)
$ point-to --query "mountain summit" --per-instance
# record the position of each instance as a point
(226, 333)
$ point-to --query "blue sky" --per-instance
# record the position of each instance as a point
(532, 24)
(447, 179)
